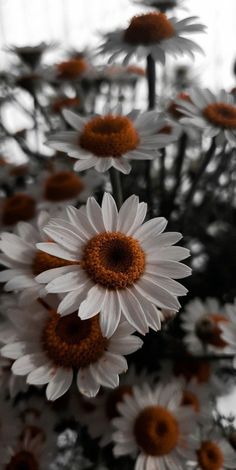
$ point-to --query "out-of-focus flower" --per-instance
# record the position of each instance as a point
(201, 322)
(228, 330)
(161, 5)
(23, 261)
(153, 34)
(32, 55)
(154, 426)
(111, 140)
(214, 452)
(117, 261)
(98, 413)
(214, 115)
(58, 104)
(71, 69)
(51, 347)
(18, 207)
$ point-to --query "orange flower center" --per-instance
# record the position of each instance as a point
(208, 330)
(190, 399)
(115, 397)
(71, 69)
(71, 342)
(150, 28)
(221, 114)
(192, 368)
(18, 207)
(23, 460)
(109, 136)
(62, 103)
(113, 260)
(156, 431)
(134, 69)
(210, 456)
(62, 186)
(43, 261)
(173, 108)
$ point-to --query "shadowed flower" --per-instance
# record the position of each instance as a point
(111, 140)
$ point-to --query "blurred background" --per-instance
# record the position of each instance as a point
(77, 23)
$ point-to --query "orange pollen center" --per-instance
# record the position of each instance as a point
(62, 186)
(115, 397)
(134, 69)
(150, 28)
(193, 368)
(109, 136)
(208, 330)
(221, 114)
(71, 342)
(190, 399)
(43, 261)
(113, 260)
(71, 68)
(62, 103)
(174, 107)
(23, 460)
(18, 207)
(210, 456)
(156, 431)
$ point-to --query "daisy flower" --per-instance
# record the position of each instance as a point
(154, 426)
(213, 114)
(117, 261)
(111, 140)
(228, 330)
(64, 187)
(31, 55)
(162, 5)
(99, 412)
(153, 34)
(50, 348)
(23, 261)
(201, 322)
(214, 453)
(16, 208)
(31, 453)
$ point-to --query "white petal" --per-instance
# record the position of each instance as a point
(94, 213)
(86, 383)
(59, 384)
(110, 314)
(40, 376)
(76, 121)
(93, 302)
(109, 213)
(55, 250)
(133, 311)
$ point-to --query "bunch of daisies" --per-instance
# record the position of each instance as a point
(99, 348)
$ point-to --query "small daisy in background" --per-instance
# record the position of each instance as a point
(155, 427)
(153, 34)
(20, 206)
(118, 264)
(162, 5)
(228, 330)
(212, 114)
(99, 412)
(111, 140)
(31, 56)
(213, 453)
(9, 429)
(49, 348)
(201, 322)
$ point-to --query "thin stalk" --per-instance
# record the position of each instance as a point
(178, 169)
(151, 81)
(116, 186)
(206, 160)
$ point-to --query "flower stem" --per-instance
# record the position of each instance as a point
(206, 160)
(151, 82)
(116, 186)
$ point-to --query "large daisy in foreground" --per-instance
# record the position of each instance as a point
(111, 140)
(154, 426)
(213, 114)
(50, 348)
(153, 34)
(119, 264)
